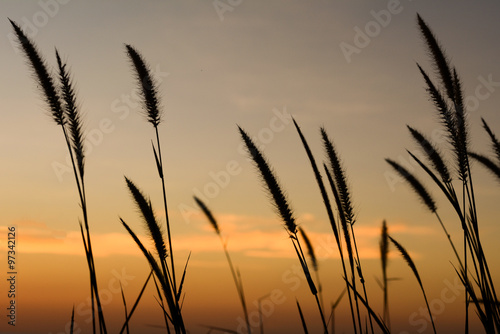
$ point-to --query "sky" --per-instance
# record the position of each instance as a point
(347, 66)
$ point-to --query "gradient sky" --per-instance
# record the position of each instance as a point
(255, 66)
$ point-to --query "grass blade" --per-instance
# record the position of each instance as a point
(125, 308)
(411, 264)
(129, 316)
(384, 252)
(181, 284)
(235, 273)
(377, 319)
(302, 320)
(72, 320)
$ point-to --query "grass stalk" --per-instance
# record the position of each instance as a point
(453, 116)
(411, 264)
(347, 220)
(61, 102)
(152, 112)
(160, 269)
(329, 211)
(236, 278)
(124, 308)
(333, 308)
(384, 252)
(314, 263)
(284, 210)
(132, 310)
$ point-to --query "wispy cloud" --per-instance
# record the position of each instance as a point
(251, 236)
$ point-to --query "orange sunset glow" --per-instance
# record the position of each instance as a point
(221, 70)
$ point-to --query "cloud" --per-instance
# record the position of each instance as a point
(251, 236)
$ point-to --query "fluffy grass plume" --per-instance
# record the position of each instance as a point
(344, 205)
(416, 185)
(74, 141)
(149, 89)
(42, 74)
(149, 218)
(454, 120)
(340, 178)
(486, 162)
(208, 214)
(432, 153)
(441, 63)
(173, 311)
(72, 115)
(494, 141)
(282, 207)
(490, 164)
(151, 109)
(310, 249)
(271, 182)
(329, 210)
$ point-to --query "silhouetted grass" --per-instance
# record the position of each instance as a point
(454, 181)
(281, 204)
(164, 272)
(450, 108)
(234, 272)
(384, 252)
(61, 101)
(406, 256)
